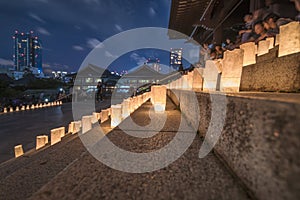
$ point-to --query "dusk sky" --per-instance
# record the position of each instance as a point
(69, 30)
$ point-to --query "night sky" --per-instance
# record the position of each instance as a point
(70, 29)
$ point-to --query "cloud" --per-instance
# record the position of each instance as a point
(6, 62)
(92, 2)
(140, 60)
(109, 55)
(77, 47)
(55, 67)
(36, 17)
(77, 27)
(152, 12)
(93, 43)
(118, 27)
(43, 31)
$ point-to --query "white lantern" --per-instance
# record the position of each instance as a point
(116, 115)
(18, 151)
(159, 98)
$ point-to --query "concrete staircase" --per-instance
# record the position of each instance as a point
(67, 171)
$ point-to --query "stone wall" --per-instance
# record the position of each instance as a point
(260, 142)
(272, 73)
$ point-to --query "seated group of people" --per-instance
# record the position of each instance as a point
(259, 25)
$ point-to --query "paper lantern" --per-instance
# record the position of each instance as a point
(86, 123)
(125, 108)
(116, 115)
(104, 115)
(18, 151)
(41, 141)
(159, 98)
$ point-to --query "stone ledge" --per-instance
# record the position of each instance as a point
(260, 141)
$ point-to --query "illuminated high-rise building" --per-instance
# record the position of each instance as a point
(176, 58)
(27, 52)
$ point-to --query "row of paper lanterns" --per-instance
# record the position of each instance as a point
(32, 107)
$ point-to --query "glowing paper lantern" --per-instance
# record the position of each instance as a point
(159, 98)
(95, 117)
(125, 108)
(71, 128)
(210, 76)
(139, 100)
(263, 47)
(197, 80)
(32, 107)
(18, 151)
(249, 53)
(131, 105)
(5, 110)
(55, 136)
(27, 107)
(41, 141)
(86, 123)
(271, 40)
(135, 103)
(232, 70)
(289, 40)
(17, 109)
(11, 109)
(104, 115)
(116, 115)
(23, 108)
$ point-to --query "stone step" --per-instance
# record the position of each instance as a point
(21, 177)
(187, 178)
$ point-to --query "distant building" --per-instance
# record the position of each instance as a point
(176, 58)
(154, 64)
(27, 53)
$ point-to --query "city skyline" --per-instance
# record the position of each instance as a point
(69, 33)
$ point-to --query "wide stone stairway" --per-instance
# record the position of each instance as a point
(68, 171)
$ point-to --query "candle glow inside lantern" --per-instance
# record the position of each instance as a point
(86, 123)
(159, 98)
(125, 108)
(140, 100)
(104, 115)
(116, 115)
(131, 105)
(95, 117)
(18, 151)
(55, 135)
(41, 141)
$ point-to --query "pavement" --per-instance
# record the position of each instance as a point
(68, 171)
(22, 127)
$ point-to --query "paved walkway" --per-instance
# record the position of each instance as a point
(23, 127)
(187, 178)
